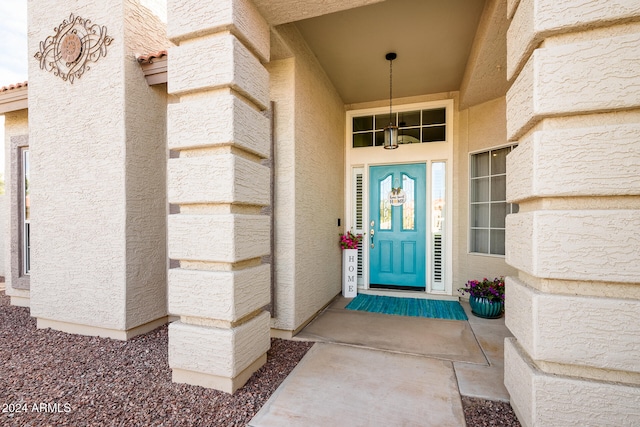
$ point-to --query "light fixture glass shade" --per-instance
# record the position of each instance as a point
(391, 137)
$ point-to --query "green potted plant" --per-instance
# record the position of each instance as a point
(486, 297)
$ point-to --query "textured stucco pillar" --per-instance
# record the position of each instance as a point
(217, 187)
(574, 307)
(98, 176)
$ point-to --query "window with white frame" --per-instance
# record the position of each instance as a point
(488, 207)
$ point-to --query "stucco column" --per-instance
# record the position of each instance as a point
(97, 179)
(218, 135)
(574, 307)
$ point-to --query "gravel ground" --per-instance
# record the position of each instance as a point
(484, 413)
(49, 378)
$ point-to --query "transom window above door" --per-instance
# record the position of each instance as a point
(414, 127)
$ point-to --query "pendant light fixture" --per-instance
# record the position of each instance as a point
(391, 131)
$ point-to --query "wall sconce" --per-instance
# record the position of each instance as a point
(391, 131)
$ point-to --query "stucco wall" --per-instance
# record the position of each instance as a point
(145, 160)
(319, 186)
(574, 110)
(310, 179)
(481, 127)
(16, 123)
(282, 93)
(98, 194)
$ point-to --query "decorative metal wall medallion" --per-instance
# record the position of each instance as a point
(74, 45)
(71, 47)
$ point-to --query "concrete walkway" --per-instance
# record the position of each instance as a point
(372, 369)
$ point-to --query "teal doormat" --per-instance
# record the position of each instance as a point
(414, 307)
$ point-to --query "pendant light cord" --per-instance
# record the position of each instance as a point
(390, 91)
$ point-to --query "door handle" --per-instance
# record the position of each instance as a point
(372, 232)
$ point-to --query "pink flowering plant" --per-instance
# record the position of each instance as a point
(493, 290)
(349, 240)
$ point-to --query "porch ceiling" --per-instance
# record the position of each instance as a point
(433, 40)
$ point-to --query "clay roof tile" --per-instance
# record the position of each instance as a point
(13, 86)
(148, 59)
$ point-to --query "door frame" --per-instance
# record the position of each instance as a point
(359, 160)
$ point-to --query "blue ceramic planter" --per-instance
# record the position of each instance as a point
(484, 308)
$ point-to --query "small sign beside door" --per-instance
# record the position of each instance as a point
(397, 197)
(349, 273)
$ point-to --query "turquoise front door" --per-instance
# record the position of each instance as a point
(397, 226)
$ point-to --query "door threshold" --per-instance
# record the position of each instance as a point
(398, 288)
(408, 294)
